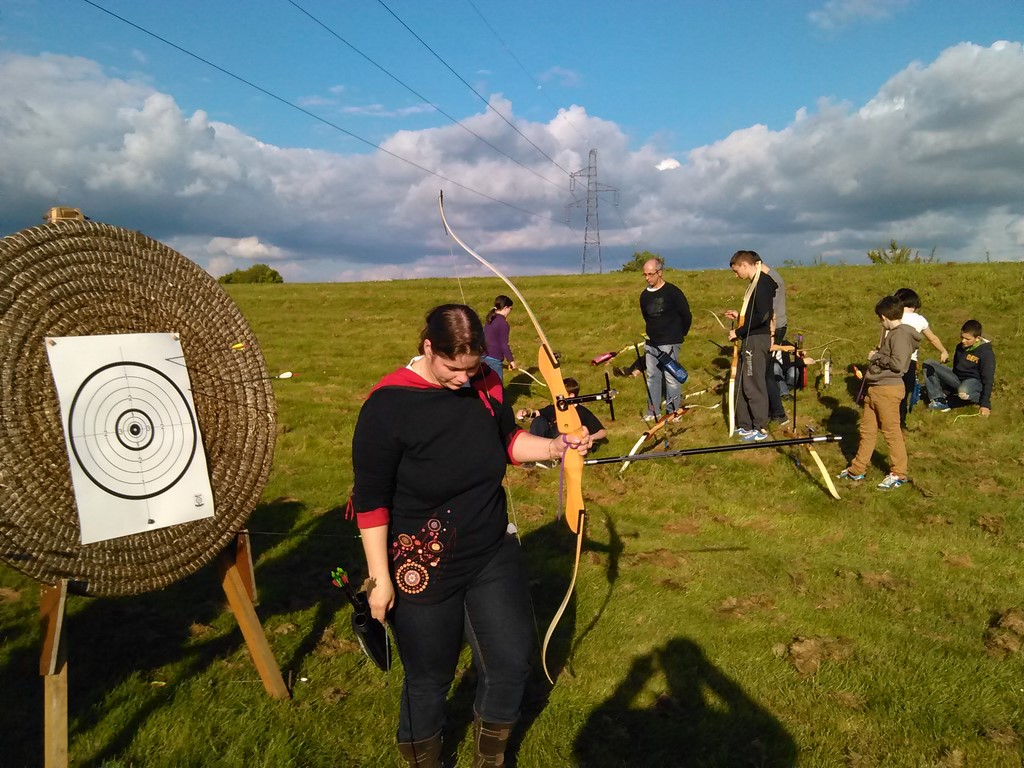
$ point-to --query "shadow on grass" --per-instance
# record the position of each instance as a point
(160, 637)
(845, 421)
(700, 717)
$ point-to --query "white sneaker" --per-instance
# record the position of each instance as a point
(891, 481)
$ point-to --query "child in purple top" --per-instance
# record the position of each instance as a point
(496, 336)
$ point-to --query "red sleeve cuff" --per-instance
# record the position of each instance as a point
(511, 442)
(373, 518)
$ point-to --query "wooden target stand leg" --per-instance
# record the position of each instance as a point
(236, 571)
(239, 584)
(53, 666)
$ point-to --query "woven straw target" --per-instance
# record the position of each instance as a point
(79, 278)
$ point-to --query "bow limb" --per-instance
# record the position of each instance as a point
(824, 472)
(659, 424)
(523, 370)
(736, 344)
(496, 271)
(632, 451)
(562, 607)
(568, 422)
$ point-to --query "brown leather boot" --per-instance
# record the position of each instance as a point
(422, 754)
(490, 740)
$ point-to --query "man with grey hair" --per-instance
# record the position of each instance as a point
(667, 318)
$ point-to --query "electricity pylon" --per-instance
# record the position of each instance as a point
(592, 234)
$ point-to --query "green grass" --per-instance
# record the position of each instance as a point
(698, 573)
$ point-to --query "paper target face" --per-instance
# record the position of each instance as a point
(132, 431)
(133, 440)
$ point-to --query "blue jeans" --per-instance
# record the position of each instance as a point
(495, 615)
(655, 376)
(940, 381)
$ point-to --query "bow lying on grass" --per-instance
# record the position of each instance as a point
(810, 442)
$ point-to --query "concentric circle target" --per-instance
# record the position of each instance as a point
(132, 430)
(86, 278)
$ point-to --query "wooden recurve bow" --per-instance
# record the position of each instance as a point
(569, 425)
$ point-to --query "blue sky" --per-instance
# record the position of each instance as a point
(804, 130)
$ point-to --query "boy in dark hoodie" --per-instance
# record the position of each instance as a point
(884, 393)
(972, 374)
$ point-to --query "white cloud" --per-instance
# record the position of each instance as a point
(567, 78)
(836, 14)
(379, 110)
(932, 160)
(244, 248)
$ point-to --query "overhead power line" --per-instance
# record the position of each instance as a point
(471, 88)
(315, 116)
(420, 96)
(525, 70)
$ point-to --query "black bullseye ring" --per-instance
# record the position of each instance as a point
(135, 430)
(132, 430)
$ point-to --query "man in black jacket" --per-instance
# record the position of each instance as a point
(667, 317)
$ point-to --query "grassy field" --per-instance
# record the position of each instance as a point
(728, 612)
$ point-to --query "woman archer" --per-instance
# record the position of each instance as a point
(429, 455)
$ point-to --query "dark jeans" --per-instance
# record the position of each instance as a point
(776, 410)
(941, 382)
(909, 380)
(541, 427)
(496, 613)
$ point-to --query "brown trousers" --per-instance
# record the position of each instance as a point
(882, 413)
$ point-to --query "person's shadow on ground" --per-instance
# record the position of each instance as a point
(700, 717)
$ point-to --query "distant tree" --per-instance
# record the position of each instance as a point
(898, 254)
(257, 273)
(636, 264)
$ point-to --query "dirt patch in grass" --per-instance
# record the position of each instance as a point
(8, 595)
(877, 581)
(957, 561)
(1003, 735)
(873, 580)
(757, 458)
(808, 653)
(682, 527)
(331, 645)
(1005, 634)
(661, 558)
(950, 758)
(849, 700)
(334, 695)
(991, 524)
(741, 606)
